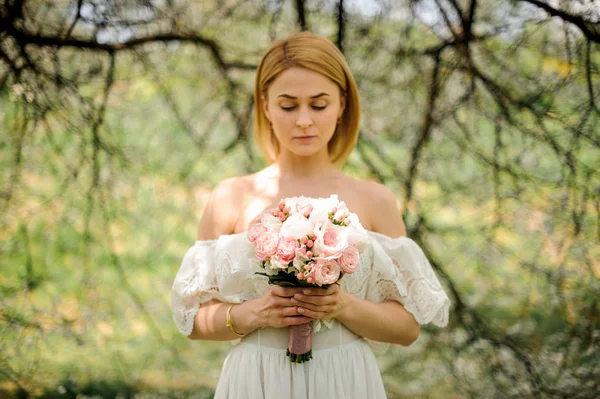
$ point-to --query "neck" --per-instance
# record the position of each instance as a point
(317, 166)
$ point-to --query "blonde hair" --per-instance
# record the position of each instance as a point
(310, 51)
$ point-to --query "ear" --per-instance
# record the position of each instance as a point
(265, 105)
(342, 106)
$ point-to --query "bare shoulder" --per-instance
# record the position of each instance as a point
(223, 208)
(383, 208)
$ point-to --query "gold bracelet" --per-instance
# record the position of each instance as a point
(230, 323)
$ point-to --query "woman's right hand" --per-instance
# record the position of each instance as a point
(275, 308)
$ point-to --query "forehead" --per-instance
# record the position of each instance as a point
(301, 82)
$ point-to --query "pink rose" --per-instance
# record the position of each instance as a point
(286, 249)
(330, 237)
(349, 260)
(326, 272)
(266, 245)
(331, 241)
(255, 230)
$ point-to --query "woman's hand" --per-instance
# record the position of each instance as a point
(320, 303)
(276, 309)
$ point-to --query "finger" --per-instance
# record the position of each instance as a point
(314, 291)
(292, 321)
(300, 299)
(279, 302)
(332, 289)
(311, 313)
(325, 309)
(289, 311)
(284, 291)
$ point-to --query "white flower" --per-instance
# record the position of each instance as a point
(322, 324)
(300, 259)
(270, 222)
(277, 263)
(271, 269)
(357, 235)
(319, 215)
(296, 202)
(296, 226)
(321, 209)
(342, 209)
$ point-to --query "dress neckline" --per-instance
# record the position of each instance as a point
(375, 233)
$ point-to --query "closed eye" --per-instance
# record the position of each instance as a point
(288, 109)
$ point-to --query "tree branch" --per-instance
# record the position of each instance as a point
(300, 9)
(426, 127)
(581, 23)
(53, 41)
(341, 22)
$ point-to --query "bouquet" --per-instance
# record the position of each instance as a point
(307, 242)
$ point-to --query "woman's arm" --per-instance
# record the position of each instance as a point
(274, 309)
(219, 218)
(385, 322)
(210, 322)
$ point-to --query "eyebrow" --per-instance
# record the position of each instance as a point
(295, 98)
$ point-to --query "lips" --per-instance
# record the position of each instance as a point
(304, 137)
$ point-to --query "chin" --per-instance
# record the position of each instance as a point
(306, 154)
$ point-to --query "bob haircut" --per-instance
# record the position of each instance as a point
(310, 51)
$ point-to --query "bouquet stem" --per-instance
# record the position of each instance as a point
(300, 343)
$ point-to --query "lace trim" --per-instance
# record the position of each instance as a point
(390, 269)
(405, 275)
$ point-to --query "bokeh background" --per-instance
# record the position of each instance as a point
(118, 117)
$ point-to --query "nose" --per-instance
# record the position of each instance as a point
(304, 120)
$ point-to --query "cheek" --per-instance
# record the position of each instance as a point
(328, 116)
(282, 118)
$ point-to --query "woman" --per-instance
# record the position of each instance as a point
(306, 122)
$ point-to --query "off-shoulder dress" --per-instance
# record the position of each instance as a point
(343, 364)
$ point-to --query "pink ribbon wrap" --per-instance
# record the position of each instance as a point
(300, 342)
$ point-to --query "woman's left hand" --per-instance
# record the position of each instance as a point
(320, 303)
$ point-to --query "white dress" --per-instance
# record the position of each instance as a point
(343, 364)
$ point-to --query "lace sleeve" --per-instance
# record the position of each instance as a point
(402, 273)
(222, 269)
(195, 283)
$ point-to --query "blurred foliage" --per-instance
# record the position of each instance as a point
(118, 117)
